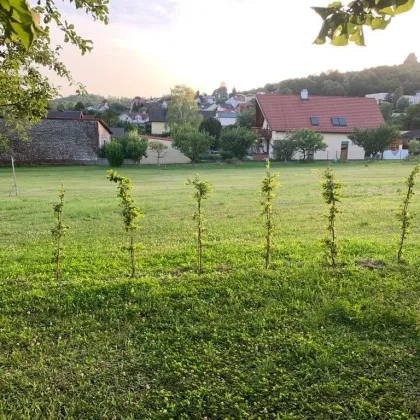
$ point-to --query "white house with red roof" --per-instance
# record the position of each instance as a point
(335, 117)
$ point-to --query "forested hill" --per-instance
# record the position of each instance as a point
(356, 83)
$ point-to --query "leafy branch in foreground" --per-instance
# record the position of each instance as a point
(26, 52)
(203, 191)
(130, 212)
(268, 193)
(403, 214)
(344, 24)
(331, 192)
(58, 233)
(20, 22)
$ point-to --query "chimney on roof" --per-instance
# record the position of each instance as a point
(304, 94)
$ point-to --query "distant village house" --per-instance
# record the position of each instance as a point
(335, 117)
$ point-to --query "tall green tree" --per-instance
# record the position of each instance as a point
(159, 148)
(386, 110)
(307, 142)
(191, 142)
(246, 118)
(402, 104)
(80, 106)
(412, 117)
(136, 147)
(332, 88)
(286, 91)
(375, 140)
(213, 127)
(182, 108)
(237, 140)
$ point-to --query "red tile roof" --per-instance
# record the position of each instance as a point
(289, 113)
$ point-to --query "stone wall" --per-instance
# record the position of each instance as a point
(59, 141)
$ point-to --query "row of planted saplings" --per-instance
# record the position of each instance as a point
(331, 192)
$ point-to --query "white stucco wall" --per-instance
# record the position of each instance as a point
(172, 155)
(333, 150)
(158, 128)
(104, 135)
(227, 121)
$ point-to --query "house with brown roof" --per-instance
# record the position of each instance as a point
(335, 117)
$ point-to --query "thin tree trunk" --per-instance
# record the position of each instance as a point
(58, 255)
(133, 257)
(199, 243)
(268, 242)
(405, 211)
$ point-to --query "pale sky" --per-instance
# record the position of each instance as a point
(151, 45)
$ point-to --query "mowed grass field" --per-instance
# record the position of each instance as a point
(299, 341)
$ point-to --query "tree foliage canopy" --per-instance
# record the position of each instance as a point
(246, 118)
(211, 126)
(375, 140)
(355, 83)
(191, 142)
(345, 23)
(386, 110)
(412, 118)
(182, 107)
(237, 140)
(307, 142)
(19, 22)
(25, 51)
(136, 146)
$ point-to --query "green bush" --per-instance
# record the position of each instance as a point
(286, 149)
(226, 155)
(215, 157)
(414, 147)
(114, 152)
(102, 152)
(237, 140)
(137, 149)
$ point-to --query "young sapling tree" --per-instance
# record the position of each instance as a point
(58, 233)
(268, 193)
(203, 191)
(130, 212)
(403, 215)
(159, 148)
(331, 192)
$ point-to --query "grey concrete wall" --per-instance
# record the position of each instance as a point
(59, 142)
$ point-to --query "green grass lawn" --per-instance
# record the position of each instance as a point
(299, 341)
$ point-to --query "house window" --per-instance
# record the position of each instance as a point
(315, 121)
(339, 122)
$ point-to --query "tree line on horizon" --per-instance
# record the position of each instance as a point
(380, 79)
